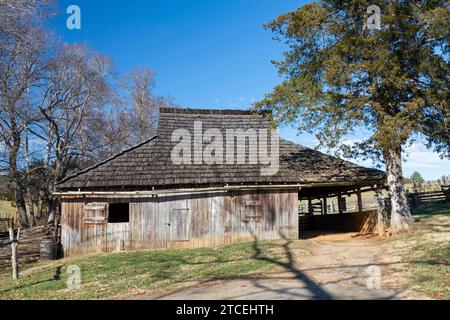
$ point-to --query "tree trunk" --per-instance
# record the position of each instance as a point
(400, 215)
(32, 223)
(20, 200)
(53, 205)
(17, 182)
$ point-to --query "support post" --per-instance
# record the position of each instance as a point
(381, 211)
(310, 207)
(324, 206)
(360, 204)
(340, 200)
(14, 243)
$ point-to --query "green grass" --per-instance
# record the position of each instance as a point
(426, 252)
(135, 273)
(431, 209)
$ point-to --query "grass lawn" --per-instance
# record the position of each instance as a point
(135, 273)
(431, 209)
(424, 256)
(426, 252)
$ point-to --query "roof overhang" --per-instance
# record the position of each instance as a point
(158, 193)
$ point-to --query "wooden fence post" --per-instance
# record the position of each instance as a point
(342, 204)
(14, 243)
(360, 202)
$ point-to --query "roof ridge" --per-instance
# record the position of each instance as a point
(140, 144)
(166, 110)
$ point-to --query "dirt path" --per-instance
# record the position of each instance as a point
(337, 267)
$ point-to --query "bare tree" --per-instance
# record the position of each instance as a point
(132, 116)
(15, 12)
(110, 130)
(144, 105)
(57, 110)
(76, 85)
(21, 67)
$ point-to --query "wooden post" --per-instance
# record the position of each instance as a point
(310, 207)
(360, 204)
(381, 211)
(14, 243)
(324, 203)
(340, 209)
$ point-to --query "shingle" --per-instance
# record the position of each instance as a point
(149, 164)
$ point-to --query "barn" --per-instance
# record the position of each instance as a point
(147, 197)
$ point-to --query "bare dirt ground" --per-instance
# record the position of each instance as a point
(342, 266)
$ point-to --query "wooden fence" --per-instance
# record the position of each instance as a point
(421, 198)
(414, 199)
(349, 206)
(29, 245)
(5, 222)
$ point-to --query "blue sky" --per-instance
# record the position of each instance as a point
(206, 53)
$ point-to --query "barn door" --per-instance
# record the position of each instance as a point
(179, 224)
(251, 214)
(95, 222)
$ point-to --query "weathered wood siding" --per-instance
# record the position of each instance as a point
(196, 220)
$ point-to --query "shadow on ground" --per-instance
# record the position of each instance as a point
(288, 283)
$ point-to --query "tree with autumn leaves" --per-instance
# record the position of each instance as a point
(341, 76)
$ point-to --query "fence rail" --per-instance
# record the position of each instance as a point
(29, 245)
(420, 198)
(414, 199)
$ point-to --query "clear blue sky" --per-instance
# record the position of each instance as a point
(206, 53)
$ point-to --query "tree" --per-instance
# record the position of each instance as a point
(58, 109)
(341, 76)
(21, 62)
(143, 114)
(417, 177)
(12, 11)
(75, 86)
(38, 180)
(134, 116)
(22, 47)
(111, 130)
(417, 181)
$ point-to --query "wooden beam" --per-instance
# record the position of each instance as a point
(324, 206)
(381, 211)
(161, 193)
(340, 199)
(360, 204)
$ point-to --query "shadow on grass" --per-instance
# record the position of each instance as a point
(312, 290)
(431, 209)
(56, 277)
(305, 287)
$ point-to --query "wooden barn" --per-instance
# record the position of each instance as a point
(141, 199)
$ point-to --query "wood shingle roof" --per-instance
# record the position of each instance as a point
(149, 164)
